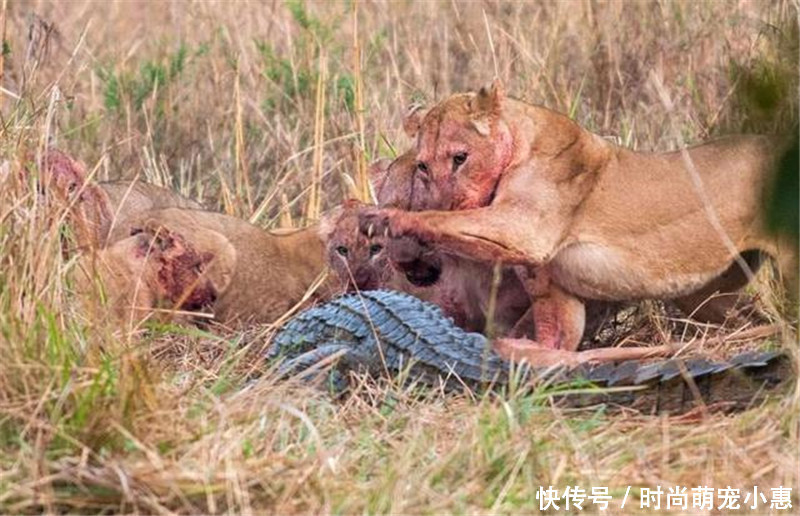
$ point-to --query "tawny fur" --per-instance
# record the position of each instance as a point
(96, 209)
(130, 198)
(118, 281)
(253, 275)
(530, 187)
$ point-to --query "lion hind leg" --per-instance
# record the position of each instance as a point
(719, 299)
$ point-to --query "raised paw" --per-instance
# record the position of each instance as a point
(373, 221)
(406, 249)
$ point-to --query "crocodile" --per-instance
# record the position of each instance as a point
(390, 333)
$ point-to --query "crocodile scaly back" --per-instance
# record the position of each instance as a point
(387, 331)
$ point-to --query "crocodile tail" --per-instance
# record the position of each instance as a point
(680, 384)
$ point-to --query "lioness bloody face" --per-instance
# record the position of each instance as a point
(463, 146)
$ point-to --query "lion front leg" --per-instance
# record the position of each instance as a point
(491, 234)
(558, 321)
(555, 321)
(558, 317)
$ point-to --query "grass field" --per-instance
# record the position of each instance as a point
(270, 111)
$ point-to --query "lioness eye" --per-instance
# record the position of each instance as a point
(422, 167)
(459, 159)
(342, 250)
(375, 249)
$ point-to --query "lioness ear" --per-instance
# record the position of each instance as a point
(489, 100)
(377, 172)
(413, 119)
(486, 105)
(220, 263)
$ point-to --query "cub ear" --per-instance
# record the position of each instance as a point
(328, 221)
(377, 172)
(413, 119)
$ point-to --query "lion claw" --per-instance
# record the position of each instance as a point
(372, 221)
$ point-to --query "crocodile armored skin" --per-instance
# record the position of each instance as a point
(386, 332)
(383, 332)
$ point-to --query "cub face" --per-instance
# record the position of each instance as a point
(463, 147)
(358, 260)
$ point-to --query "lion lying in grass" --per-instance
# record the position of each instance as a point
(201, 261)
(149, 249)
(96, 210)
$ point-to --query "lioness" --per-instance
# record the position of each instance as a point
(464, 288)
(190, 260)
(96, 209)
(530, 187)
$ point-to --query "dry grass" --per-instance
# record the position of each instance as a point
(257, 109)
